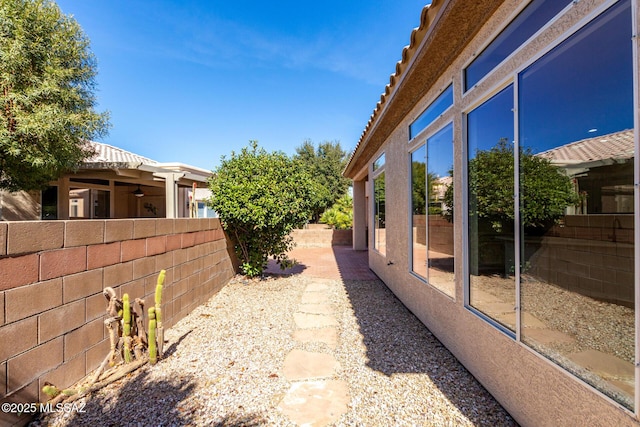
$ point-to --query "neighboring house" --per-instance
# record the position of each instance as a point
(114, 183)
(202, 208)
(542, 312)
(602, 171)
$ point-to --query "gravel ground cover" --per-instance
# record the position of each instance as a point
(223, 366)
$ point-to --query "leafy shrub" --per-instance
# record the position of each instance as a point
(340, 215)
(260, 198)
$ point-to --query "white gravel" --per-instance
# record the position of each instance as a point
(224, 365)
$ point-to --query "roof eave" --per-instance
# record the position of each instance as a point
(446, 27)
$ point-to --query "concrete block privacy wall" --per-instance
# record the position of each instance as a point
(320, 235)
(52, 274)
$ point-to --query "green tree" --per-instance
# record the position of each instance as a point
(47, 103)
(340, 215)
(419, 185)
(545, 192)
(325, 165)
(260, 198)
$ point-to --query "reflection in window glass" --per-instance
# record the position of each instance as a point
(439, 225)
(50, 203)
(378, 163)
(79, 203)
(576, 174)
(88, 203)
(101, 203)
(433, 111)
(491, 208)
(379, 236)
(526, 24)
(419, 211)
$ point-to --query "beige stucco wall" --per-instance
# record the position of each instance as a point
(535, 391)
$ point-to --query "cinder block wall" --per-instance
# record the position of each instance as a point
(321, 236)
(52, 274)
(589, 254)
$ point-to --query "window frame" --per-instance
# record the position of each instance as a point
(494, 35)
(378, 167)
(474, 99)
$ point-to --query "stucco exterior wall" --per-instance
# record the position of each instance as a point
(535, 391)
(52, 274)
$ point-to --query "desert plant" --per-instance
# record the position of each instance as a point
(158, 311)
(153, 357)
(340, 215)
(126, 329)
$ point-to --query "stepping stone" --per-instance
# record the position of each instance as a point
(603, 364)
(306, 365)
(528, 320)
(316, 403)
(314, 298)
(482, 298)
(546, 336)
(321, 281)
(626, 387)
(317, 287)
(315, 308)
(308, 321)
(328, 336)
(497, 308)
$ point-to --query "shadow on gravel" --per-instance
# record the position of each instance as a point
(173, 347)
(236, 420)
(273, 269)
(397, 342)
(128, 406)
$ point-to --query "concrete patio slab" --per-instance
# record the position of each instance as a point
(336, 263)
(306, 365)
(316, 403)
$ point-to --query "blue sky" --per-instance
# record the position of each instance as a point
(190, 81)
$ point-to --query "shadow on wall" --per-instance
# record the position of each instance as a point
(19, 206)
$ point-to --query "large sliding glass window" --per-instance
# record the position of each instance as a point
(439, 219)
(490, 179)
(379, 227)
(419, 211)
(563, 280)
(577, 203)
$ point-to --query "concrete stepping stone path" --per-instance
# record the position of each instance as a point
(315, 397)
(307, 365)
(316, 403)
(328, 336)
